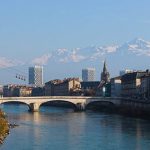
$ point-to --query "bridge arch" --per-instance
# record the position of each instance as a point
(100, 104)
(15, 102)
(61, 102)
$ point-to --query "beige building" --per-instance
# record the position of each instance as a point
(131, 83)
(62, 87)
(16, 90)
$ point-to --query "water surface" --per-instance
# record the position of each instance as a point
(63, 129)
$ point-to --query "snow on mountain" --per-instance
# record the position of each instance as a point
(81, 54)
(136, 47)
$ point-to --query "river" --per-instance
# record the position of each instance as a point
(63, 129)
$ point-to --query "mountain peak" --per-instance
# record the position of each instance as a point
(139, 40)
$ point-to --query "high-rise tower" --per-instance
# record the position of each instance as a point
(88, 74)
(36, 75)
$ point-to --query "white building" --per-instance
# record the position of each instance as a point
(116, 87)
(36, 75)
(88, 74)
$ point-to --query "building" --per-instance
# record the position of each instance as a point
(115, 86)
(145, 86)
(1, 90)
(8, 90)
(122, 72)
(36, 76)
(104, 86)
(64, 87)
(38, 91)
(89, 87)
(131, 83)
(105, 76)
(88, 74)
(22, 91)
(12, 90)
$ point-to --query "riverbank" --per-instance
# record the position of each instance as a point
(4, 127)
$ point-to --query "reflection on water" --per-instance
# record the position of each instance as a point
(61, 128)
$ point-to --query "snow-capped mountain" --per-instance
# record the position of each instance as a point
(137, 47)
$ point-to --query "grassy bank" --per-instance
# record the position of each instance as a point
(4, 127)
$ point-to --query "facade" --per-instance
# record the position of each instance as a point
(22, 91)
(89, 85)
(88, 74)
(1, 90)
(50, 87)
(38, 91)
(8, 90)
(131, 83)
(145, 86)
(36, 76)
(62, 87)
(89, 88)
(116, 86)
(11, 90)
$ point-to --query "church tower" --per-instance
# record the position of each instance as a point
(105, 76)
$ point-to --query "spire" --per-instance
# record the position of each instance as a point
(105, 74)
(105, 67)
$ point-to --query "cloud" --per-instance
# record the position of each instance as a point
(5, 62)
(43, 60)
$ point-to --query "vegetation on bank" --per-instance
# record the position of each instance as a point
(4, 126)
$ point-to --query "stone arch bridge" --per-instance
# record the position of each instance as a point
(80, 102)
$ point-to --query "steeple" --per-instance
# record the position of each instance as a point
(105, 76)
(105, 67)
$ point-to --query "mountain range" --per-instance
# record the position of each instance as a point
(137, 47)
(65, 62)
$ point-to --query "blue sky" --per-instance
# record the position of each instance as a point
(30, 29)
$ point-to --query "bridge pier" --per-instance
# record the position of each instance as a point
(34, 107)
(80, 107)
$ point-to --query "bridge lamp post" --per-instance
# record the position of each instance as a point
(104, 91)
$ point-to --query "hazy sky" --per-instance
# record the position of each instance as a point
(30, 29)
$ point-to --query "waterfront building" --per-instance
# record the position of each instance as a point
(8, 90)
(89, 87)
(1, 90)
(22, 91)
(145, 86)
(88, 74)
(38, 91)
(13, 90)
(36, 76)
(115, 86)
(62, 87)
(131, 83)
